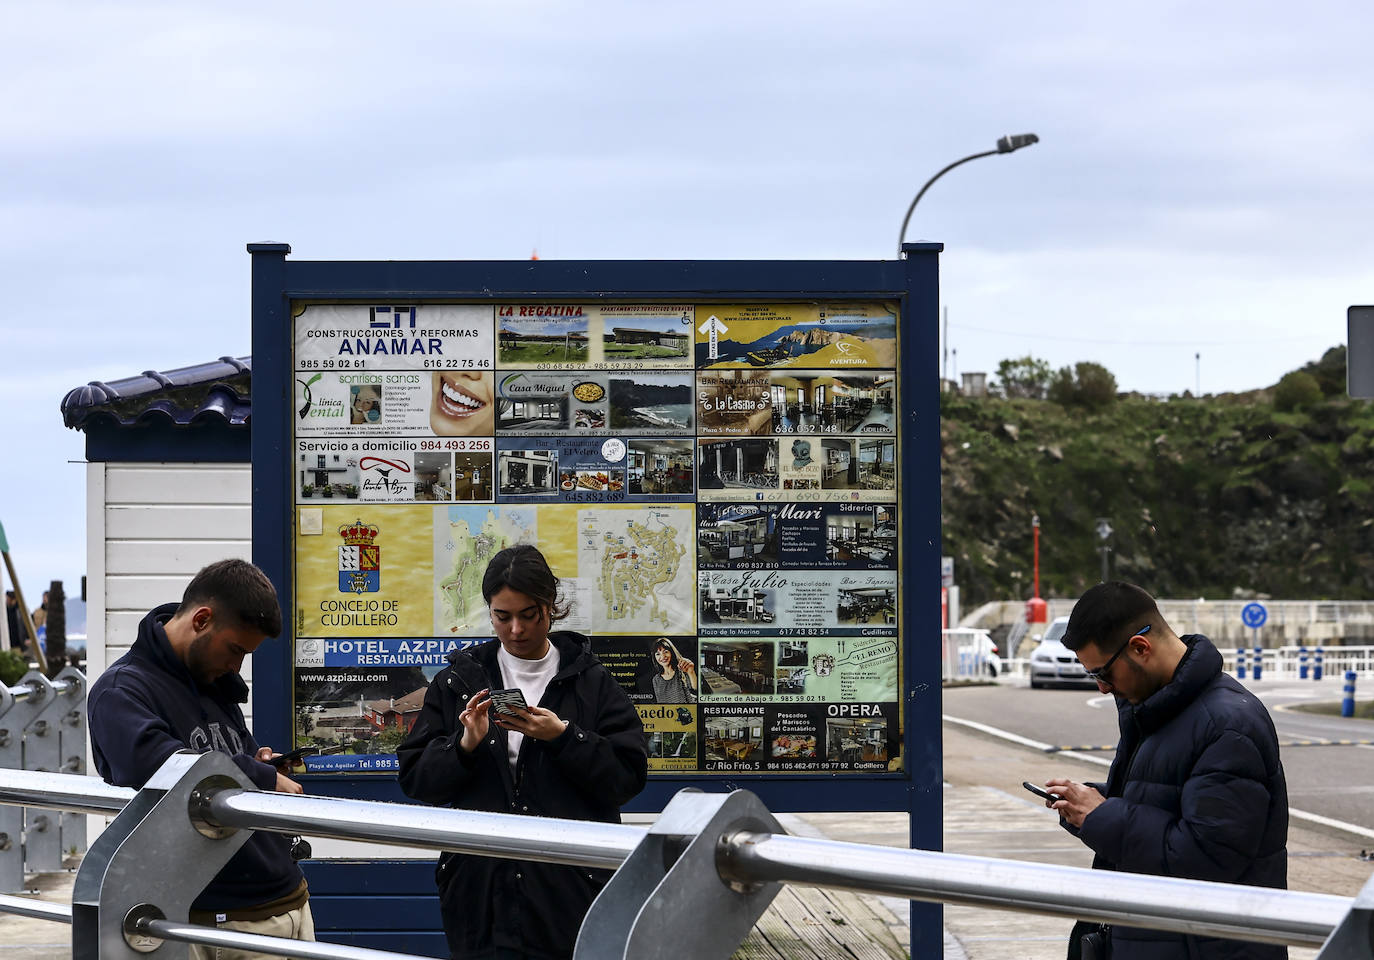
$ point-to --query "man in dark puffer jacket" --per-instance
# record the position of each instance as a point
(1196, 789)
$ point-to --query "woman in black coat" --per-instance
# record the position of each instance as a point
(577, 751)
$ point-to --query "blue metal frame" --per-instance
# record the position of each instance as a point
(913, 281)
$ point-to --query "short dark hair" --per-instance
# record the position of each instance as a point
(524, 569)
(237, 591)
(1108, 614)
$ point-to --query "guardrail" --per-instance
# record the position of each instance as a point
(724, 854)
(42, 728)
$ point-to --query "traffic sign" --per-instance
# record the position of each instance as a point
(1253, 615)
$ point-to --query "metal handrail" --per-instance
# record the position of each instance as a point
(37, 909)
(1234, 911)
(62, 791)
(238, 940)
(1189, 906)
(546, 839)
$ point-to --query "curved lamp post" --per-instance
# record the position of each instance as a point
(1007, 144)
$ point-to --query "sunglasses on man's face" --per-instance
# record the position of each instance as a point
(1100, 674)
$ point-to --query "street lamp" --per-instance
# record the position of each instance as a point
(1008, 144)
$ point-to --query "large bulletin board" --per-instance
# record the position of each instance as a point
(732, 468)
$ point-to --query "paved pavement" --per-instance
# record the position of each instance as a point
(986, 813)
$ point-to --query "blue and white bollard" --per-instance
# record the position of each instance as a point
(1259, 662)
(1317, 666)
(1302, 663)
(1240, 663)
(1348, 701)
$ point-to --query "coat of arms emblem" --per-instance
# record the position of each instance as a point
(360, 559)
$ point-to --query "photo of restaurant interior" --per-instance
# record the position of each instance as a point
(791, 680)
(733, 402)
(527, 472)
(737, 532)
(870, 535)
(856, 739)
(867, 605)
(724, 464)
(660, 466)
(733, 667)
(734, 738)
(858, 463)
(532, 413)
(472, 476)
(433, 476)
(823, 403)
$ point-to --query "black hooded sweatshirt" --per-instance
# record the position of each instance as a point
(586, 773)
(146, 707)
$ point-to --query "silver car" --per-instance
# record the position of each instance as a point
(1052, 662)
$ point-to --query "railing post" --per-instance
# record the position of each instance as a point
(1259, 662)
(154, 860)
(669, 893)
(1353, 938)
(42, 752)
(11, 818)
(1302, 663)
(71, 740)
(1317, 665)
(1240, 663)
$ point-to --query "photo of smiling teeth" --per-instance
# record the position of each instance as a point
(466, 402)
(461, 404)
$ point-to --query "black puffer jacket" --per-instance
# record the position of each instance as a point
(1197, 791)
(586, 773)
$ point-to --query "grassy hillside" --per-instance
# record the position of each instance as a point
(1208, 497)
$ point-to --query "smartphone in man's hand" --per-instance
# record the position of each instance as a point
(288, 760)
(1040, 792)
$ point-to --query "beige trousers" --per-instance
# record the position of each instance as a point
(295, 924)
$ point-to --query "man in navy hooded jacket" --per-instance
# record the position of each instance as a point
(179, 688)
(1196, 789)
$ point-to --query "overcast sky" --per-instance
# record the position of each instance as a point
(1203, 182)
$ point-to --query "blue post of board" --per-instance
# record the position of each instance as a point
(1302, 663)
(1348, 701)
(1259, 662)
(1240, 663)
(1317, 666)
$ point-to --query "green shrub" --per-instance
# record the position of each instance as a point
(1296, 390)
(13, 666)
(1088, 384)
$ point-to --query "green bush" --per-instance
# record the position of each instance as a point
(13, 666)
(1296, 390)
(1088, 384)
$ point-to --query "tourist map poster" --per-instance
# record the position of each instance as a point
(715, 485)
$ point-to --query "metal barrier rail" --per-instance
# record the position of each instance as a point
(189, 817)
(42, 727)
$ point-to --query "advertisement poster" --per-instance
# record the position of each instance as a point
(715, 486)
(356, 700)
(796, 536)
(593, 470)
(838, 603)
(409, 337)
(440, 403)
(392, 470)
(818, 336)
(548, 336)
